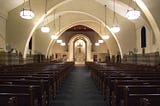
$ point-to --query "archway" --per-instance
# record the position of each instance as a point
(80, 49)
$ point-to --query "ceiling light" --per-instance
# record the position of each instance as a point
(54, 37)
(96, 44)
(115, 28)
(100, 41)
(63, 44)
(105, 37)
(45, 29)
(59, 41)
(133, 14)
(27, 13)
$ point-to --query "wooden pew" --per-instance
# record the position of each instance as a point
(123, 93)
(105, 77)
(30, 93)
(52, 76)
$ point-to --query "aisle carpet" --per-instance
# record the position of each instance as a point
(79, 90)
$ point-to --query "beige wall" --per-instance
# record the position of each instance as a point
(2, 32)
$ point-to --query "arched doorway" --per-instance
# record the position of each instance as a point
(79, 48)
(79, 51)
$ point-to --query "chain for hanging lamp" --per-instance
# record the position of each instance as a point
(115, 27)
(105, 36)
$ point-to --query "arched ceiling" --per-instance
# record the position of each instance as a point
(74, 11)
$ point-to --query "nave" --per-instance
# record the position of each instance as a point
(79, 90)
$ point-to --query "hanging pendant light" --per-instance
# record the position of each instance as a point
(59, 41)
(53, 36)
(45, 28)
(133, 14)
(115, 27)
(100, 41)
(27, 13)
(97, 44)
(63, 44)
(105, 36)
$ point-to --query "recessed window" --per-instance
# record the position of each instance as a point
(143, 37)
(30, 44)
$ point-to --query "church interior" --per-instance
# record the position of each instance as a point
(79, 53)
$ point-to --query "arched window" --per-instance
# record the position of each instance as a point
(30, 44)
(143, 37)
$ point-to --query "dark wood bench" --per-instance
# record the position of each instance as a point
(122, 92)
(32, 75)
(32, 92)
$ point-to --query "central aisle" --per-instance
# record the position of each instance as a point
(79, 90)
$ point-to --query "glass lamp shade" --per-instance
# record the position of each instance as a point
(45, 29)
(59, 41)
(133, 14)
(105, 37)
(96, 44)
(27, 14)
(100, 41)
(54, 37)
(115, 28)
(63, 44)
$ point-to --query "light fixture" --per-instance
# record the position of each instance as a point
(132, 14)
(63, 44)
(59, 24)
(115, 27)
(54, 37)
(59, 41)
(105, 37)
(27, 13)
(100, 41)
(97, 44)
(44, 28)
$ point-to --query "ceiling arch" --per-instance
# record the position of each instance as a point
(50, 19)
(96, 13)
(93, 25)
(119, 4)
